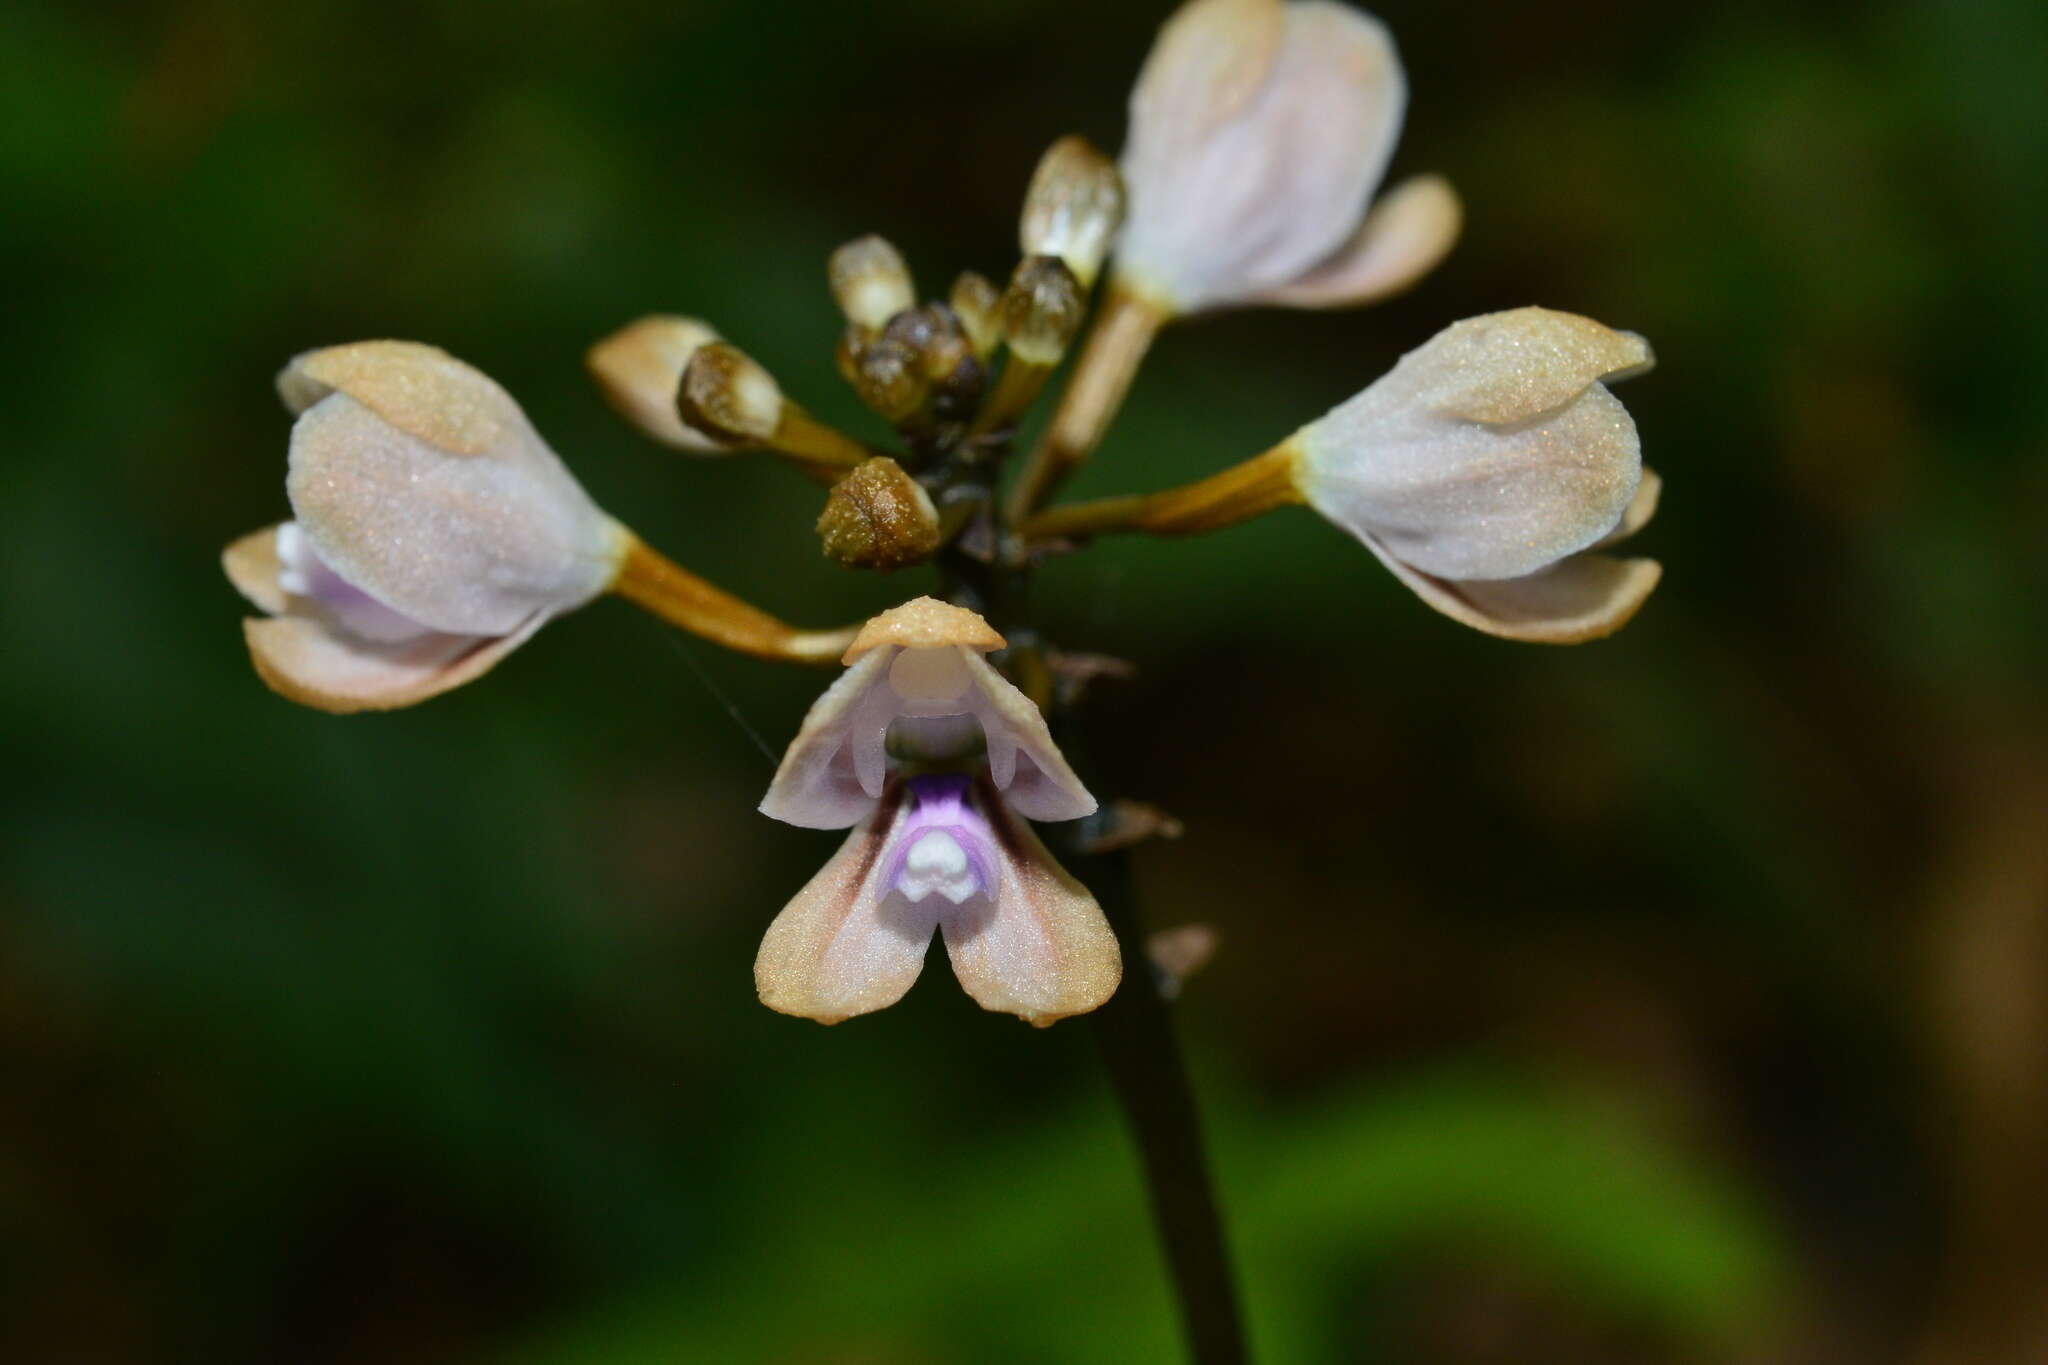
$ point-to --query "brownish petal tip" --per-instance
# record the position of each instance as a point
(925, 623)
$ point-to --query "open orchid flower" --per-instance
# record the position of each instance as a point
(1259, 131)
(936, 762)
(1484, 466)
(1485, 470)
(433, 531)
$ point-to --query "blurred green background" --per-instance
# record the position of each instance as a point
(1674, 998)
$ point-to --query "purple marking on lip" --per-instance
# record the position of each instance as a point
(303, 573)
(940, 803)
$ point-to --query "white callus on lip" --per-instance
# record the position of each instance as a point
(937, 864)
(1484, 462)
(1258, 133)
(434, 531)
(918, 684)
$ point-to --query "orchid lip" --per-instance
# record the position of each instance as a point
(945, 845)
(303, 573)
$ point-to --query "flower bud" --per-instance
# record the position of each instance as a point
(945, 358)
(886, 373)
(878, 517)
(727, 395)
(1042, 310)
(1073, 208)
(870, 282)
(1484, 462)
(956, 373)
(978, 305)
(639, 368)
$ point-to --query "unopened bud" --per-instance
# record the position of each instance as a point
(888, 374)
(878, 517)
(726, 394)
(956, 373)
(852, 342)
(640, 366)
(870, 282)
(1042, 310)
(1073, 208)
(945, 357)
(978, 304)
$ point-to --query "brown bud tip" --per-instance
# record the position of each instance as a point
(944, 358)
(1042, 310)
(1073, 208)
(725, 393)
(878, 517)
(888, 374)
(925, 623)
(639, 367)
(978, 305)
(870, 282)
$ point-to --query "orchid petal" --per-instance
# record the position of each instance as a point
(252, 565)
(816, 785)
(1641, 508)
(420, 482)
(1249, 162)
(925, 623)
(1581, 598)
(845, 945)
(1025, 764)
(1209, 60)
(914, 669)
(307, 660)
(1407, 234)
(1040, 948)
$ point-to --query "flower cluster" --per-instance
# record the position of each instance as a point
(433, 529)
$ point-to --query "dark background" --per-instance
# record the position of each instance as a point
(1673, 998)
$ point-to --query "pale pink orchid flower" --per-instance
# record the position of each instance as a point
(1490, 468)
(936, 762)
(1259, 131)
(433, 531)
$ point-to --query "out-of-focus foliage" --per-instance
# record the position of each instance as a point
(1678, 997)
(1343, 1192)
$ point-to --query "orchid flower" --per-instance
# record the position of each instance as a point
(1259, 131)
(433, 532)
(1487, 466)
(1486, 470)
(936, 762)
